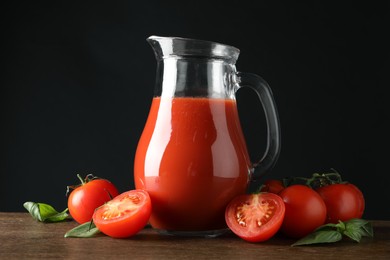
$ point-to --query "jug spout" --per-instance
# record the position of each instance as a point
(196, 68)
(165, 47)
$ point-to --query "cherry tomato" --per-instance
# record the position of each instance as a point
(255, 217)
(273, 186)
(343, 202)
(85, 198)
(305, 211)
(125, 215)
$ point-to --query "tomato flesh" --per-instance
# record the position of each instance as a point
(255, 217)
(118, 208)
(125, 215)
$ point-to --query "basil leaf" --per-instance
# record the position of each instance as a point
(364, 226)
(340, 226)
(326, 227)
(368, 230)
(49, 214)
(356, 222)
(60, 216)
(354, 234)
(45, 213)
(356, 228)
(85, 230)
(33, 209)
(319, 237)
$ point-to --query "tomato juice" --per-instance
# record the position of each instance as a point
(192, 159)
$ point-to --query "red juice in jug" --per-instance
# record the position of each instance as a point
(192, 159)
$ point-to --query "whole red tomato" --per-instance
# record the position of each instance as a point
(305, 211)
(125, 215)
(91, 194)
(255, 217)
(343, 202)
(273, 186)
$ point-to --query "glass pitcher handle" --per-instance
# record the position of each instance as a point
(271, 154)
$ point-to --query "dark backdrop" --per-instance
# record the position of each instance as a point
(77, 80)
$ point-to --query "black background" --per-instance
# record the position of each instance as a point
(77, 81)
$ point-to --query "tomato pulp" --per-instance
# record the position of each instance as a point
(125, 215)
(192, 160)
(255, 217)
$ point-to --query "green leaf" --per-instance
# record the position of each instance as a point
(357, 228)
(60, 216)
(340, 226)
(33, 209)
(45, 213)
(49, 214)
(356, 222)
(354, 234)
(319, 237)
(326, 227)
(85, 230)
(354, 229)
(368, 230)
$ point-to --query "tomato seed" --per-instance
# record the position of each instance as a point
(109, 215)
(240, 217)
(242, 223)
(135, 199)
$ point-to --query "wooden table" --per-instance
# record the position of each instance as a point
(23, 238)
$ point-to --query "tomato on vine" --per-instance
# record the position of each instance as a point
(343, 200)
(89, 195)
(305, 210)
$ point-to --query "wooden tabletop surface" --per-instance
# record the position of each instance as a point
(21, 237)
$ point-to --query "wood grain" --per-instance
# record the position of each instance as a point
(23, 238)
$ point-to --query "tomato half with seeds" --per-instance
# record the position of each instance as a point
(125, 215)
(255, 217)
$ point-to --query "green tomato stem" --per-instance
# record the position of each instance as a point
(81, 179)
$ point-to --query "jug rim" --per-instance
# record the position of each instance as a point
(165, 47)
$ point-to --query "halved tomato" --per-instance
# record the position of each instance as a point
(125, 215)
(255, 217)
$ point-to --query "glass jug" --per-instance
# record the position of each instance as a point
(192, 156)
